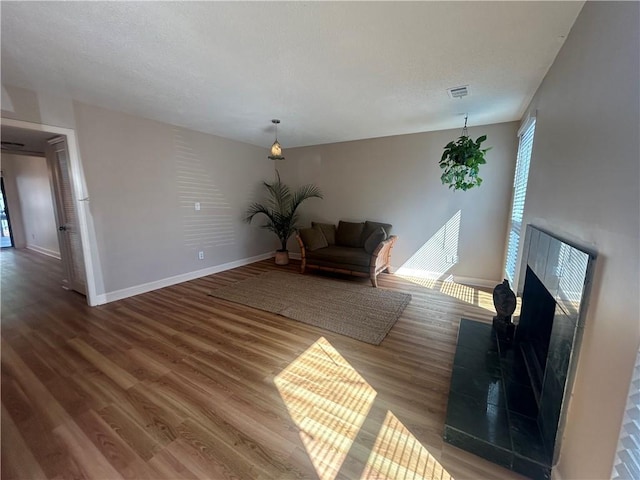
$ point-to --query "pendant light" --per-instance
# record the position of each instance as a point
(276, 149)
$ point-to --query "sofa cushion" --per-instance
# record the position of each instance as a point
(377, 236)
(329, 231)
(370, 227)
(313, 238)
(337, 254)
(349, 234)
(339, 266)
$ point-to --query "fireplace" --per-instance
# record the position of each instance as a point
(534, 329)
(508, 400)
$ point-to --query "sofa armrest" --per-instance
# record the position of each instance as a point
(381, 256)
(303, 254)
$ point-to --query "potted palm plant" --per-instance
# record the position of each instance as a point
(280, 210)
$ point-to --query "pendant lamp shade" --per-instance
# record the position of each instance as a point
(276, 148)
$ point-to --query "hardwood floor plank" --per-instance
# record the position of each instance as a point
(41, 398)
(201, 462)
(168, 466)
(123, 379)
(99, 389)
(50, 453)
(38, 365)
(70, 395)
(130, 431)
(114, 449)
(157, 419)
(176, 384)
(91, 462)
(17, 463)
(141, 365)
(240, 454)
(196, 403)
(15, 401)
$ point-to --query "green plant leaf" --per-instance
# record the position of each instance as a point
(280, 207)
(460, 163)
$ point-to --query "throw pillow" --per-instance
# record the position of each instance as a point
(374, 239)
(329, 231)
(349, 234)
(313, 238)
(370, 227)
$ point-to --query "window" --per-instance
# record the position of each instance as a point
(519, 194)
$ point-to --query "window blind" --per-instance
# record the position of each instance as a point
(519, 194)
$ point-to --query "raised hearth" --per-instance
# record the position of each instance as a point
(492, 409)
(508, 401)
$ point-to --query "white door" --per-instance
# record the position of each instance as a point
(66, 216)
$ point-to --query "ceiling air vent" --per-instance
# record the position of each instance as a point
(458, 92)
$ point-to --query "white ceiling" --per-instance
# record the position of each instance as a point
(331, 71)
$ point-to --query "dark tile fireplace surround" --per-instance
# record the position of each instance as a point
(508, 401)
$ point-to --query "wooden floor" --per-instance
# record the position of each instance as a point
(176, 384)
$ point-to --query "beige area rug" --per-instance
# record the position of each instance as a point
(357, 311)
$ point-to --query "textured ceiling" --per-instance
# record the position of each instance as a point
(331, 71)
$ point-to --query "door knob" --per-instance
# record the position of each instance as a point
(62, 228)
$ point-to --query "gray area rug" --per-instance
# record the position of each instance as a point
(357, 311)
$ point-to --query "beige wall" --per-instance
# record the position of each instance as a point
(584, 185)
(397, 180)
(141, 218)
(143, 179)
(33, 222)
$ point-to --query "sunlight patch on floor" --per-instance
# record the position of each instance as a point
(430, 283)
(329, 401)
(461, 292)
(448, 286)
(397, 454)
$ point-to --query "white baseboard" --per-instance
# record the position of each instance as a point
(43, 251)
(295, 256)
(185, 277)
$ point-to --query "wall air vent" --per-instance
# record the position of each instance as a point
(458, 92)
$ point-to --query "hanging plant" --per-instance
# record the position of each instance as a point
(461, 161)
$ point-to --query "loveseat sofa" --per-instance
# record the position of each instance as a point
(354, 248)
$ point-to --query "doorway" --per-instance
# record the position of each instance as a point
(6, 237)
(74, 198)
